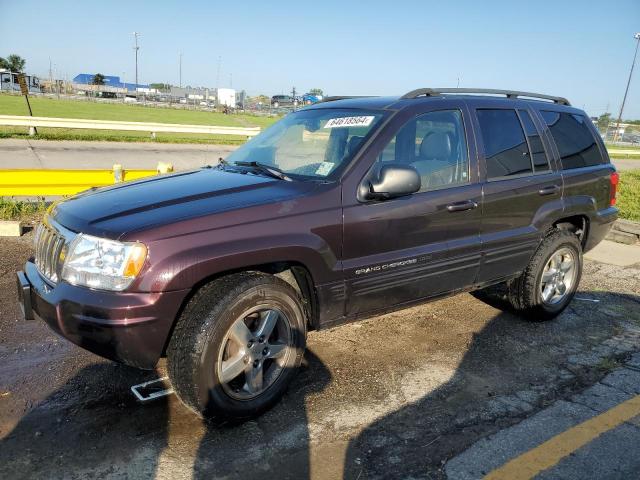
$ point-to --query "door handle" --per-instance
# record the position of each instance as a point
(462, 206)
(549, 190)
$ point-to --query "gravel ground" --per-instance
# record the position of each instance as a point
(393, 396)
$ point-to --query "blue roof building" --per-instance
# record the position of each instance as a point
(109, 81)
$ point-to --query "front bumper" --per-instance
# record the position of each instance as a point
(131, 328)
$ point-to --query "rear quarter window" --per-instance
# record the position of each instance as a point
(576, 144)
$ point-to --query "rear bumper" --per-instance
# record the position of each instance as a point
(599, 226)
(131, 328)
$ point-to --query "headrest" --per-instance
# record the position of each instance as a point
(435, 145)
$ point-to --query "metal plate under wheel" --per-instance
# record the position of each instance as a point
(152, 389)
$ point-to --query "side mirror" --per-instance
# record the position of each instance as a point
(393, 180)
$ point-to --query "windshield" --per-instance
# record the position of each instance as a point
(310, 143)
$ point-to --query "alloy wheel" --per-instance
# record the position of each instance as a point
(558, 276)
(254, 352)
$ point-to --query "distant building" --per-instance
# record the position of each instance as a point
(226, 96)
(112, 81)
(9, 82)
(221, 96)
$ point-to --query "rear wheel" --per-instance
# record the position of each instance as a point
(237, 345)
(551, 279)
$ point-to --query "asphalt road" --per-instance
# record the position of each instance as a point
(450, 389)
(16, 153)
(34, 154)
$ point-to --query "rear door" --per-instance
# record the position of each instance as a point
(519, 184)
(404, 249)
(583, 161)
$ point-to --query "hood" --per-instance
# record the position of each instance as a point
(132, 206)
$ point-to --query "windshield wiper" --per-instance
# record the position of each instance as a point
(268, 169)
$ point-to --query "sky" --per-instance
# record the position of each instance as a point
(581, 50)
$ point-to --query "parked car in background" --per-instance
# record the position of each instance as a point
(310, 98)
(343, 210)
(283, 101)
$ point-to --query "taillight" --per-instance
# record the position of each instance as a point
(614, 179)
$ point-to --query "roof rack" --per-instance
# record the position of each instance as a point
(342, 97)
(432, 92)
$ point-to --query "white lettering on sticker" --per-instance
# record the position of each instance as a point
(363, 121)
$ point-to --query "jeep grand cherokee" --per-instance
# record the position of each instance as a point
(344, 209)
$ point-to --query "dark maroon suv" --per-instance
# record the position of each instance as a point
(345, 209)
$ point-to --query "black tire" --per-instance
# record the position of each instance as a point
(524, 292)
(194, 349)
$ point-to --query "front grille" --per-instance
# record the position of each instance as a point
(49, 244)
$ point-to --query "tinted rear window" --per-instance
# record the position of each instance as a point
(574, 139)
(505, 146)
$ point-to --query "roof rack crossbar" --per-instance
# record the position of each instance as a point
(433, 92)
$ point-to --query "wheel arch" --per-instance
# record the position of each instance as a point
(293, 272)
(577, 224)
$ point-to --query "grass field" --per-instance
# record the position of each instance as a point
(629, 195)
(48, 107)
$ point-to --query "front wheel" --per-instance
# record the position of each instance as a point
(237, 345)
(551, 279)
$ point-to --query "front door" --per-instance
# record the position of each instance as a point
(403, 249)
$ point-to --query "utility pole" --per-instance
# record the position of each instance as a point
(50, 76)
(624, 99)
(136, 48)
(180, 70)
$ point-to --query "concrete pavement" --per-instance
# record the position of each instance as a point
(614, 253)
(623, 164)
(34, 154)
(594, 434)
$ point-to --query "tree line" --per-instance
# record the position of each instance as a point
(13, 63)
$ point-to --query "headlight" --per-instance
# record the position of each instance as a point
(105, 264)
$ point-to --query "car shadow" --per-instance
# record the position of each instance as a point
(93, 426)
(274, 445)
(511, 368)
(89, 427)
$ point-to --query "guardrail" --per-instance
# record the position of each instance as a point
(152, 128)
(41, 183)
(613, 152)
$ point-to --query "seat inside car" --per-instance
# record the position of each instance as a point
(434, 162)
(352, 145)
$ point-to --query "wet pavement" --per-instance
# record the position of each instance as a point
(405, 395)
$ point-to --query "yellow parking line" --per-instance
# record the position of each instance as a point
(549, 453)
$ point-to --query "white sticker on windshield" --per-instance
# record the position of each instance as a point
(363, 121)
(325, 168)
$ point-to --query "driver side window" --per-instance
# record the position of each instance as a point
(434, 144)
